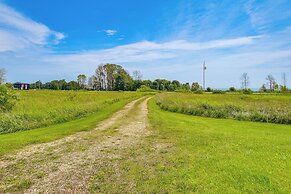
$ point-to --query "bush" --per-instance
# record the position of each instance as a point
(144, 88)
(208, 89)
(232, 89)
(247, 91)
(7, 99)
(218, 92)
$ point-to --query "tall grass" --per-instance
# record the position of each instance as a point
(40, 108)
(260, 108)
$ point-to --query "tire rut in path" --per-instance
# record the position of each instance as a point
(66, 165)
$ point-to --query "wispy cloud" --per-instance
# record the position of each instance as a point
(18, 31)
(148, 51)
(110, 32)
(264, 16)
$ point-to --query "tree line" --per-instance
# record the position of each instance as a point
(112, 77)
(270, 86)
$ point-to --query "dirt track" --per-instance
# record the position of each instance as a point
(66, 165)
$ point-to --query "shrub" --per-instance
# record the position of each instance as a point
(232, 89)
(208, 89)
(247, 91)
(218, 92)
(7, 99)
(144, 88)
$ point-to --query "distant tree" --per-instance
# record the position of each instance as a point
(185, 86)
(137, 75)
(263, 88)
(100, 76)
(245, 81)
(247, 91)
(136, 84)
(47, 85)
(172, 87)
(283, 88)
(271, 82)
(113, 77)
(177, 83)
(147, 83)
(72, 85)
(38, 84)
(208, 89)
(155, 85)
(81, 79)
(144, 88)
(119, 83)
(2, 76)
(91, 82)
(126, 80)
(164, 84)
(56, 85)
(195, 86)
(276, 86)
(232, 89)
(110, 70)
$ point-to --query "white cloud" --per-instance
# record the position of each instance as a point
(146, 51)
(268, 14)
(18, 31)
(110, 32)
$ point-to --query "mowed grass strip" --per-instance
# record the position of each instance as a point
(219, 155)
(14, 141)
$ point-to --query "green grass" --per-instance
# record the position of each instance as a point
(40, 108)
(13, 141)
(218, 155)
(256, 107)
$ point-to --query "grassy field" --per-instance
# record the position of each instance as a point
(261, 108)
(207, 155)
(40, 108)
(176, 153)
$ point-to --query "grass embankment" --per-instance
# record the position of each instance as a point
(217, 155)
(13, 141)
(260, 108)
(40, 108)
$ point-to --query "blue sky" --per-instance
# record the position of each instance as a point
(55, 39)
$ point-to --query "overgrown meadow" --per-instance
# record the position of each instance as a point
(39, 108)
(257, 107)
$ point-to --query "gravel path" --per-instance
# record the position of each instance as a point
(66, 165)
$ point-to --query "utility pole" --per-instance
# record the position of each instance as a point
(204, 69)
(284, 80)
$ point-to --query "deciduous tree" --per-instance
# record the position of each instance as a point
(245, 81)
(271, 82)
(137, 75)
(81, 79)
